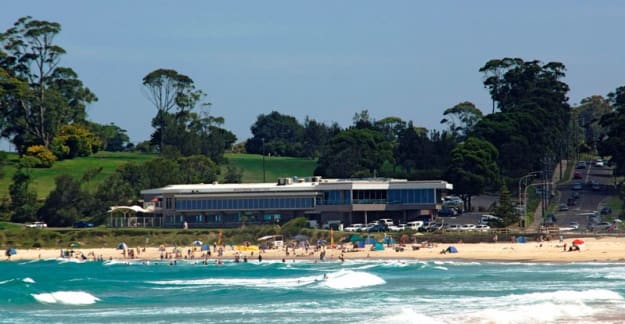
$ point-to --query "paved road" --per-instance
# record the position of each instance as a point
(590, 200)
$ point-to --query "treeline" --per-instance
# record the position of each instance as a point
(530, 127)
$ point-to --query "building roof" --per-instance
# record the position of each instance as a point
(300, 186)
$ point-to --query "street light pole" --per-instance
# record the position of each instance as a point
(264, 179)
(523, 199)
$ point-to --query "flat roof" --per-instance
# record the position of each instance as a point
(301, 186)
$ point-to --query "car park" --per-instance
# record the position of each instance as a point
(83, 224)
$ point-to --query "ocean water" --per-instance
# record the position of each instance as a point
(363, 291)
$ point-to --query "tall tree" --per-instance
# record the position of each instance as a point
(461, 118)
(276, 134)
(612, 143)
(354, 153)
(64, 204)
(473, 168)
(23, 199)
(44, 95)
(169, 90)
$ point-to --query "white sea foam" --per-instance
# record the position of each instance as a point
(6, 281)
(28, 280)
(347, 279)
(247, 282)
(66, 297)
(406, 315)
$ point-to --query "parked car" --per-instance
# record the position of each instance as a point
(432, 227)
(564, 207)
(83, 224)
(581, 165)
(599, 163)
(414, 225)
(482, 228)
(37, 225)
(606, 211)
(603, 226)
(354, 228)
(396, 228)
(386, 221)
(452, 227)
(577, 186)
(577, 175)
(447, 212)
(378, 228)
(574, 225)
(468, 227)
(595, 186)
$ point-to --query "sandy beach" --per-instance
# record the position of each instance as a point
(602, 249)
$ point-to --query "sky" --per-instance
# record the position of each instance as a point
(326, 60)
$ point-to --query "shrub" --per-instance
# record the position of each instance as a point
(39, 156)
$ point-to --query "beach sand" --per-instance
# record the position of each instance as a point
(600, 249)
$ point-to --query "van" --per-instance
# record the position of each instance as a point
(414, 225)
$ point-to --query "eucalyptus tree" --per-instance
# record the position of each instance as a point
(171, 93)
(461, 118)
(612, 142)
(39, 95)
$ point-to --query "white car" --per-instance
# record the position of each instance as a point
(396, 228)
(452, 227)
(467, 227)
(414, 225)
(354, 228)
(386, 221)
(37, 225)
(482, 228)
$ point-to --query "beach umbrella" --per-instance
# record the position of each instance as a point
(122, 246)
(11, 251)
(578, 242)
(197, 243)
(322, 242)
(205, 247)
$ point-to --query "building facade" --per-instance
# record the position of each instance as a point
(320, 200)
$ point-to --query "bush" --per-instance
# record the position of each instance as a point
(39, 156)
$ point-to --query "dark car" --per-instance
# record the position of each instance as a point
(378, 228)
(447, 212)
(577, 175)
(606, 211)
(83, 224)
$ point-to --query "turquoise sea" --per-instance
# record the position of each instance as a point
(365, 291)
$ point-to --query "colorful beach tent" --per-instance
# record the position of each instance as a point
(370, 240)
(379, 247)
(205, 247)
(578, 242)
(520, 239)
(11, 251)
(197, 243)
(452, 249)
(122, 246)
(356, 238)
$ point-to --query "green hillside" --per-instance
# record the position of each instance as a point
(252, 166)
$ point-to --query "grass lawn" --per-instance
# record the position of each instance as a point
(252, 165)
(43, 179)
